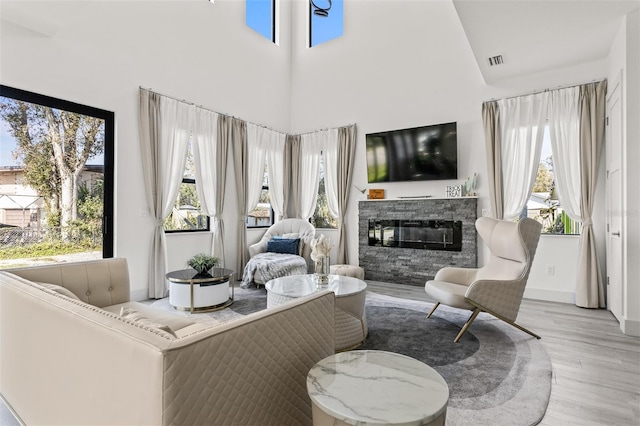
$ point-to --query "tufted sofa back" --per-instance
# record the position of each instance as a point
(100, 283)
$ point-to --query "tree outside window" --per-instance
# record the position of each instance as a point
(262, 215)
(322, 218)
(56, 168)
(544, 205)
(187, 214)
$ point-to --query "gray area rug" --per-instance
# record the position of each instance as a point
(497, 375)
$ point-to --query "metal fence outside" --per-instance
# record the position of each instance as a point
(15, 236)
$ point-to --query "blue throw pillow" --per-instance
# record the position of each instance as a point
(284, 246)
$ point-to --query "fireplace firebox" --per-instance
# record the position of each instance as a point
(416, 234)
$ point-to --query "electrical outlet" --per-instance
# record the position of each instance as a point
(143, 212)
(485, 212)
(551, 269)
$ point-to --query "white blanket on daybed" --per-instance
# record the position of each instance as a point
(273, 265)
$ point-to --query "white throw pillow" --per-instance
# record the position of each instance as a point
(135, 316)
(60, 290)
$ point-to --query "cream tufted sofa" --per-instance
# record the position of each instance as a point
(70, 361)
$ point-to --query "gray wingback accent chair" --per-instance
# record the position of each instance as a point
(497, 287)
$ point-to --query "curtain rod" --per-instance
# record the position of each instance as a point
(325, 129)
(208, 109)
(227, 115)
(535, 92)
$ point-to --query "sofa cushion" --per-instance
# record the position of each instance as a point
(60, 290)
(145, 322)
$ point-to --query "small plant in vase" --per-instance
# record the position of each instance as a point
(202, 263)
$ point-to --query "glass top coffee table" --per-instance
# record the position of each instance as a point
(350, 316)
(194, 292)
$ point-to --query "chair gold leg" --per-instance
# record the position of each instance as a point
(519, 327)
(433, 309)
(467, 324)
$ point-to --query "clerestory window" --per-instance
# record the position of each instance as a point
(260, 15)
(326, 20)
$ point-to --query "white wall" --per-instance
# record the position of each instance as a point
(624, 61)
(399, 64)
(197, 51)
(404, 64)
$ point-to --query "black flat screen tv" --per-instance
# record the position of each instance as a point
(419, 153)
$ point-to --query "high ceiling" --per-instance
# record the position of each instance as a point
(539, 35)
(531, 35)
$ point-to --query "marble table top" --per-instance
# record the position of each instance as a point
(377, 387)
(304, 285)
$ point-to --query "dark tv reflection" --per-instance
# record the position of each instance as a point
(420, 153)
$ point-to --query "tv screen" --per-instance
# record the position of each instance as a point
(419, 153)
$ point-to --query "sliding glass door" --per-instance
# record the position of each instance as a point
(56, 180)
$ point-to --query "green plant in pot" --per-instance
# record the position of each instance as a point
(202, 263)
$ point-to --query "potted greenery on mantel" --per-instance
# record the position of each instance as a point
(203, 263)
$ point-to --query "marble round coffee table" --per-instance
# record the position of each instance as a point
(376, 388)
(350, 316)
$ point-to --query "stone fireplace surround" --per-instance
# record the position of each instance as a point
(416, 266)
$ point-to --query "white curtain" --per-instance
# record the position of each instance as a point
(164, 135)
(564, 132)
(273, 143)
(210, 159)
(522, 129)
(254, 170)
(311, 147)
(330, 153)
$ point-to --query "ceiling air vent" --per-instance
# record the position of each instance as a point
(495, 60)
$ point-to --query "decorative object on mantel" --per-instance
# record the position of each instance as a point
(415, 196)
(470, 186)
(202, 263)
(376, 194)
(320, 249)
(454, 191)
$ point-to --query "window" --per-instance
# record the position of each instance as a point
(543, 204)
(187, 213)
(56, 179)
(322, 218)
(262, 215)
(260, 15)
(324, 28)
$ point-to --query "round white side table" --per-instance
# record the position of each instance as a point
(376, 388)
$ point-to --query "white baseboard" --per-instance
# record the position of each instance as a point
(139, 295)
(630, 327)
(550, 295)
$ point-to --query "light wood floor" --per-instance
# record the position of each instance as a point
(596, 368)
